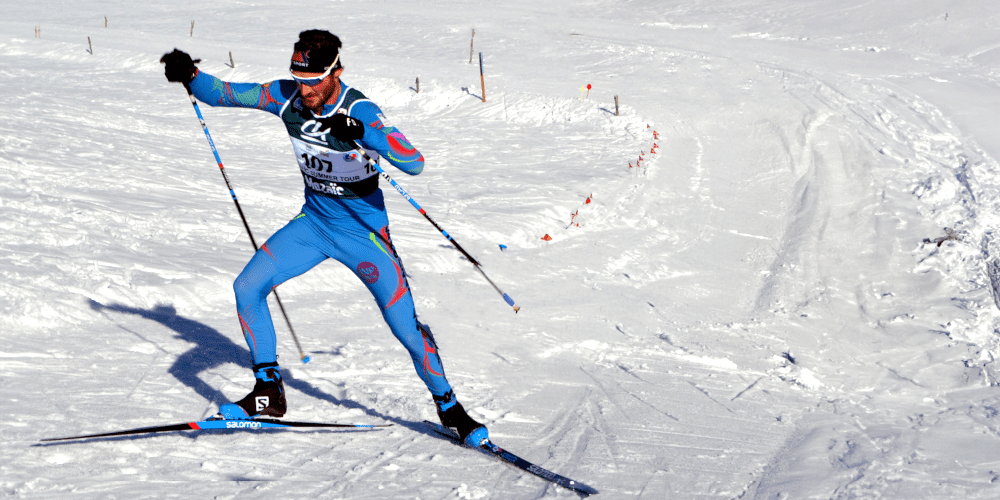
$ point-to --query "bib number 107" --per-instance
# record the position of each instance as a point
(316, 164)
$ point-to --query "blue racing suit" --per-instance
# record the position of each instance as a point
(343, 217)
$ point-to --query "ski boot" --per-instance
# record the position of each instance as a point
(454, 417)
(266, 399)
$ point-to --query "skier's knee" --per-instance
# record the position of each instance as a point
(247, 289)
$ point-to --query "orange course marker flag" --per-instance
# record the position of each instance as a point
(547, 238)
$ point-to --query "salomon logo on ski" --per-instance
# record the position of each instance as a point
(242, 424)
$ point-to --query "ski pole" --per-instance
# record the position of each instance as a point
(413, 202)
(211, 143)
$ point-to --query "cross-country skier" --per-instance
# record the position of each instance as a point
(343, 217)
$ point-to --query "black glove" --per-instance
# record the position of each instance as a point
(344, 127)
(179, 66)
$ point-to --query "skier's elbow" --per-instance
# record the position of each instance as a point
(417, 167)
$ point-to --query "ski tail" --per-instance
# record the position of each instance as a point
(143, 430)
(247, 424)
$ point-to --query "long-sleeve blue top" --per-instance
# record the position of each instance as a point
(332, 169)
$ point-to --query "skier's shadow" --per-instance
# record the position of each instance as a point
(213, 349)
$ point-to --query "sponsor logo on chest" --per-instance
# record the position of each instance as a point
(314, 132)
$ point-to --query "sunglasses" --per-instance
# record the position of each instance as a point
(314, 80)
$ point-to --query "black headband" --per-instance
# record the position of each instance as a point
(313, 61)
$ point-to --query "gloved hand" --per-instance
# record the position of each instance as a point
(343, 127)
(179, 66)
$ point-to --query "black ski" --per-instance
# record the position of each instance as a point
(513, 460)
(248, 424)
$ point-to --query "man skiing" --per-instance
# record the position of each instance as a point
(343, 217)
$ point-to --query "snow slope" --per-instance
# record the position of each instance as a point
(753, 313)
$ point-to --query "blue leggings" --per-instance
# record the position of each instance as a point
(363, 245)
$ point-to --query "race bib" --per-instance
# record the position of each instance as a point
(325, 164)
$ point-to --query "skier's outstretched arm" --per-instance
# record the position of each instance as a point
(270, 96)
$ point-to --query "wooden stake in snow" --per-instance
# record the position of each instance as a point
(482, 78)
(192, 28)
(91, 46)
(38, 31)
(471, 41)
(616, 105)
(231, 63)
(418, 84)
(105, 21)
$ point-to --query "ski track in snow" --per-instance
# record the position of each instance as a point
(753, 313)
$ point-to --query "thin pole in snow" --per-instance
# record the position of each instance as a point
(471, 41)
(482, 78)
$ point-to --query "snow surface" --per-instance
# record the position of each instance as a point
(751, 314)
